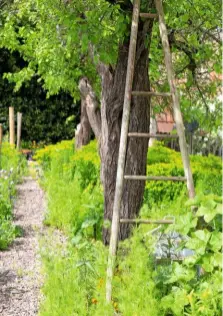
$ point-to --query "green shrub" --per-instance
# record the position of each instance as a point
(7, 233)
(163, 161)
(208, 174)
(195, 284)
(75, 273)
(13, 166)
(74, 193)
(75, 279)
(62, 150)
(86, 164)
(70, 207)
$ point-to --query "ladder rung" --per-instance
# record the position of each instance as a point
(151, 94)
(146, 135)
(149, 15)
(160, 259)
(146, 221)
(154, 178)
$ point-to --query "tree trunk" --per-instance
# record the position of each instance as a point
(113, 86)
(90, 115)
(83, 131)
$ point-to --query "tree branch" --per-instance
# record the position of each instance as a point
(92, 106)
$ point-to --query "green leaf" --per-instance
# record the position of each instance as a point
(198, 241)
(215, 241)
(194, 202)
(218, 68)
(219, 209)
(89, 265)
(207, 264)
(211, 204)
(85, 43)
(184, 223)
(209, 210)
(217, 260)
(76, 240)
(202, 211)
(88, 223)
(169, 302)
(210, 261)
(203, 235)
(180, 273)
(185, 17)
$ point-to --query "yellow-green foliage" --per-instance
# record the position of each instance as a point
(86, 163)
(75, 272)
(50, 152)
(12, 167)
(73, 187)
(75, 279)
(88, 154)
(166, 162)
(11, 158)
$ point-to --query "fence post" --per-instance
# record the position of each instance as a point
(11, 126)
(1, 140)
(1, 134)
(19, 129)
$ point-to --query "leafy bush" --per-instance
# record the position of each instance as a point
(166, 162)
(13, 166)
(75, 279)
(208, 174)
(87, 164)
(75, 272)
(74, 192)
(195, 284)
(45, 155)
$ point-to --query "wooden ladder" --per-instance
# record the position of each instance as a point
(124, 133)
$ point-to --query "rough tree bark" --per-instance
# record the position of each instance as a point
(83, 131)
(113, 86)
(107, 128)
(90, 115)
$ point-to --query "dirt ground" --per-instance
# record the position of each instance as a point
(20, 278)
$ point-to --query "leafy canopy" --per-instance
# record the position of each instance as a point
(54, 38)
(64, 40)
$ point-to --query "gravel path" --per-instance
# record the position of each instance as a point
(19, 266)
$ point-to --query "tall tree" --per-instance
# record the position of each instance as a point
(83, 45)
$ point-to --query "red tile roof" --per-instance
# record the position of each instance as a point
(165, 122)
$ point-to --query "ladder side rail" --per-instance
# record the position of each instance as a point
(176, 104)
(144, 221)
(122, 150)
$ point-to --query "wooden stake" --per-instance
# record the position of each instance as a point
(11, 126)
(1, 140)
(191, 143)
(1, 134)
(19, 129)
(176, 103)
(122, 151)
